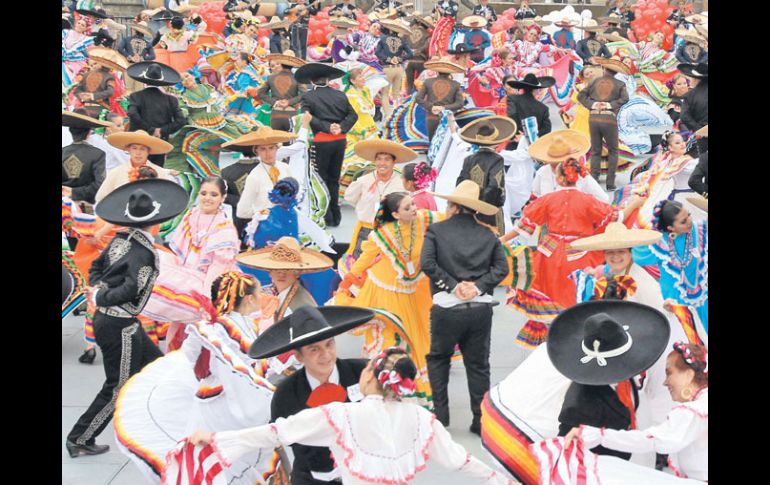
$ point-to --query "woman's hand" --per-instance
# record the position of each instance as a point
(306, 117)
(668, 305)
(573, 434)
(201, 438)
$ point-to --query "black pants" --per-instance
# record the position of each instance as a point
(469, 326)
(413, 69)
(298, 39)
(280, 122)
(126, 349)
(328, 163)
(604, 127)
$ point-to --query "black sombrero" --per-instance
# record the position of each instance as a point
(462, 49)
(307, 325)
(607, 341)
(78, 119)
(154, 73)
(531, 81)
(92, 13)
(65, 22)
(490, 130)
(143, 203)
(163, 15)
(315, 70)
(697, 71)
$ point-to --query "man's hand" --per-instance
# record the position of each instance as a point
(668, 305)
(306, 117)
(335, 129)
(156, 133)
(281, 103)
(437, 110)
(466, 290)
(517, 136)
(66, 191)
(573, 434)
(201, 438)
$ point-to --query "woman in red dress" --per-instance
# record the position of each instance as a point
(567, 214)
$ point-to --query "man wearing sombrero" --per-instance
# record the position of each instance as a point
(446, 8)
(98, 89)
(464, 262)
(440, 93)
(486, 167)
(82, 165)
(603, 97)
(483, 9)
(392, 51)
(309, 332)
(691, 51)
(419, 41)
(345, 9)
(590, 46)
(333, 117)
(564, 38)
(140, 146)
(530, 115)
(152, 110)
(136, 48)
(121, 282)
(281, 91)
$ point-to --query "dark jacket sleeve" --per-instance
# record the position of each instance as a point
(96, 271)
(465, 172)
(382, 52)
(422, 98)
(680, 55)
(264, 94)
(149, 53)
(605, 52)
(129, 289)
(124, 47)
(620, 100)
(699, 179)
(458, 102)
(316, 124)
(350, 118)
(107, 92)
(584, 96)
(543, 123)
(429, 262)
(512, 110)
(497, 272)
(135, 116)
(406, 52)
(177, 121)
(582, 50)
(88, 192)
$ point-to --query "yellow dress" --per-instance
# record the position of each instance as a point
(398, 286)
(362, 103)
(580, 123)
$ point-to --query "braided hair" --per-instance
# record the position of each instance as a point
(229, 289)
(692, 356)
(664, 213)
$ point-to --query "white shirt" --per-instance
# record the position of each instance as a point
(258, 183)
(448, 300)
(118, 176)
(114, 156)
(366, 199)
(545, 183)
(334, 378)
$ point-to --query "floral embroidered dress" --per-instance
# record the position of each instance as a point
(239, 88)
(683, 264)
(390, 262)
(74, 55)
(361, 100)
(654, 67)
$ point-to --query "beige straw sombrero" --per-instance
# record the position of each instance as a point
(123, 139)
(368, 149)
(558, 146)
(264, 135)
(286, 253)
(617, 236)
(466, 194)
(443, 65)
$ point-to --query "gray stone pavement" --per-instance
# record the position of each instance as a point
(80, 383)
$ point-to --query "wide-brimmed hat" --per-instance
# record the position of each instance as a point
(702, 29)
(566, 22)
(704, 132)
(444, 66)
(700, 202)
(466, 194)
(316, 70)
(474, 22)
(697, 19)
(558, 146)
(343, 23)
(154, 73)
(123, 139)
(611, 64)
(109, 58)
(690, 36)
(141, 27)
(617, 236)
(368, 149)
(490, 130)
(92, 13)
(264, 135)
(534, 21)
(286, 254)
(143, 203)
(78, 120)
(604, 342)
(425, 20)
(287, 58)
(307, 325)
(697, 71)
(163, 15)
(531, 81)
(275, 23)
(591, 26)
(462, 48)
(612, 19)
(395, 26)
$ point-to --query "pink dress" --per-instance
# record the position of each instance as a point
(424, 200)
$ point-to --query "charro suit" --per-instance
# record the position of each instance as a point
(83, 170)
(439, 91)
(151, 108)
(279, 86)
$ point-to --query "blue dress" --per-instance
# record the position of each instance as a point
(638, 115)
(682, 278)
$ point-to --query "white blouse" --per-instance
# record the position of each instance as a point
(373, 441)
(683, 436)
(545, 183)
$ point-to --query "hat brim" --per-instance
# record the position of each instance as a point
(253, 139)
(316, 70)
(118, 62)
(286, 60)
(649, 330)
(92, 13)
(277, 339)
(456, 52)
(594, 28)
(443, 67)
(467, 21)
(627, 239)
(580, 143)
(311, 261)
(368, 149)
(701, 203)
(77, 120)
(611, 64)
(123, 139)
(543, 83)
(475, 204)
(140, 28)
(690, 70)
(170, 75)
(506, 129)
(395, 27)
(172, 197)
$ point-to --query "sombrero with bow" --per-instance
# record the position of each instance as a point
(558, 146)
(154, 73)
(604, 342)
(617, 236)
(490, 130)
(143, 203)
(307, 325)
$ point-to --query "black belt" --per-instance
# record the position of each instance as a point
(472, 305)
